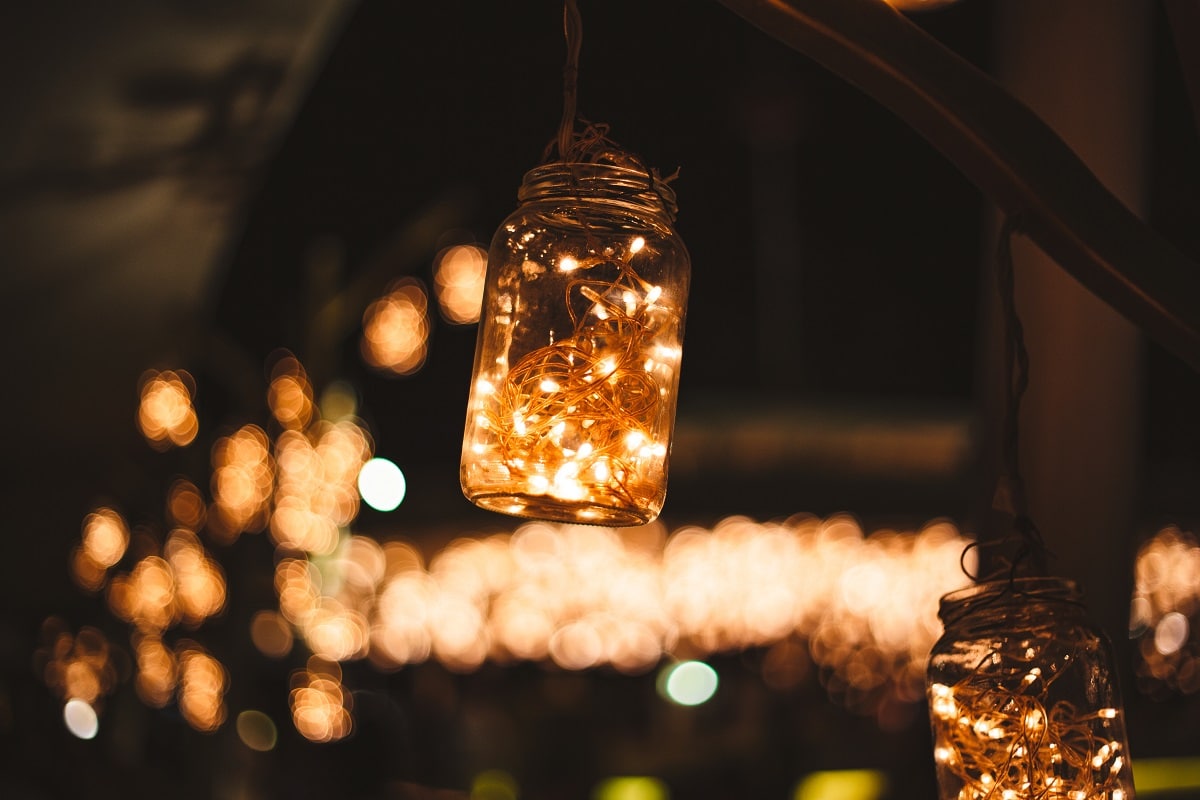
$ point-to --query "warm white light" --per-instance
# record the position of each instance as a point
(381, 484)
(458, 283)
(1171, 633)
(81, 719)
(568, 264)
(690, 683)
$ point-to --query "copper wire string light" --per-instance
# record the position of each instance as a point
(1023, 698)
(573, 395)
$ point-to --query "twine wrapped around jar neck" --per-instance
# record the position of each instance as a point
(596, 181)
(1005, 601)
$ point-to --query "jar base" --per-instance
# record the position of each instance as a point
(555, 510)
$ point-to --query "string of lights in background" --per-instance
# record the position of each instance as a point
(579, 597)
(817, 596)
(1165, 616)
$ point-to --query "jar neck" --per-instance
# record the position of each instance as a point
(559, 180)
(1029, 601)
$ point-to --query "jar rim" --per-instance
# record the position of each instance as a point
(637, 185)
(959, 603)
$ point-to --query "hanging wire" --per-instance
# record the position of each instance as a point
(573, 31)
(1010, 500)
(1010, 492)
(591, 144)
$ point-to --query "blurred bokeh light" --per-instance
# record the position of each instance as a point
(688, 683)
(316, 491)
(103, 543)
(185, 505)
(165, 414)
(396, 329)
(76, 666)
(271, 634)
(382, 484)
(494, 784)
(458, 282)
(320, 704)
(243, 475)
(157, 670)
(1165, 612)
(846, 784)
(257, 731)
(202, 685)
(631, 788)
(290, 395)
(80, 718)
(861, 608)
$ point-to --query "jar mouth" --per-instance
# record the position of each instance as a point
(593, 179)
(961, 602)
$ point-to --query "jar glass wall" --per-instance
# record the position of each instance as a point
(576, 373)
(1023, 698)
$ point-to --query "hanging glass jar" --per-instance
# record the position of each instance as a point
(1023, 699)
(573, 394)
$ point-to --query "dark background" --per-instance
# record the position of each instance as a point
(836, 275)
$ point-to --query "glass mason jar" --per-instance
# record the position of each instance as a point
(576, 373)
(1023, 698)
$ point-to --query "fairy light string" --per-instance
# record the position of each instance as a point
(1001, 738)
